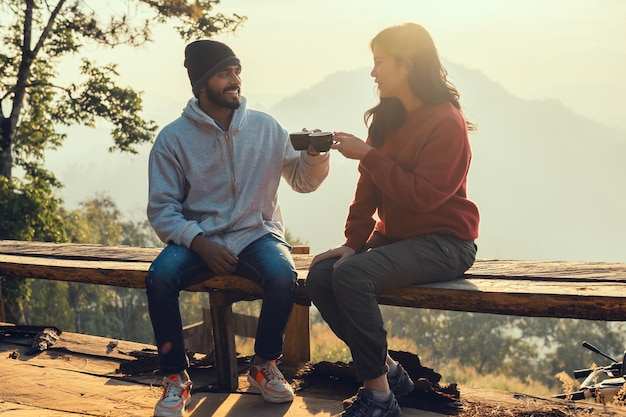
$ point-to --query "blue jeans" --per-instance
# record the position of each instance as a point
(266, 261)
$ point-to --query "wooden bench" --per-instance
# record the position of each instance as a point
(582, 290)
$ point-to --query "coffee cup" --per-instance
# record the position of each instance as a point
(300, 140)
(321, 141)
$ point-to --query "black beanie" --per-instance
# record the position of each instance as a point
(205, 58)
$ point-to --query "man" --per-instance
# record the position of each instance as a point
(213, 178)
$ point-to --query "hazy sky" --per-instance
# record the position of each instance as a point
(573, 49)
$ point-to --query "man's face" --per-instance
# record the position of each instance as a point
(223, 88)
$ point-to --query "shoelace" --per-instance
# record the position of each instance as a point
(271, 372)
(174, 390)
(358, 408)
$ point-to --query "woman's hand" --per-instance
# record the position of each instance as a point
(341, 252)
(350, 146)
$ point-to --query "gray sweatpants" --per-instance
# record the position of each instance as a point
(346, 295)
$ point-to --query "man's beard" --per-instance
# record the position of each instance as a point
(218, 98)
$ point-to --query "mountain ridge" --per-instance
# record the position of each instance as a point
(546, 179)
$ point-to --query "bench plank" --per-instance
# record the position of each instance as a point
(593, 291)
(91, 252)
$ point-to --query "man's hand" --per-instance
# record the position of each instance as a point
(217, 257)
(341, 252)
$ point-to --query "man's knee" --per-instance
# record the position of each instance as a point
(158, 281)
(282, 279)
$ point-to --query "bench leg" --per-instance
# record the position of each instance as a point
(297, 348)
(224, 342)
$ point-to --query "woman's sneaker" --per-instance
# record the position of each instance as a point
(365, 405)
(175, 396)
(400, 382)
(270, 381)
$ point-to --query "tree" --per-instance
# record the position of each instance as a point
(34, 104)
(29, 212)
(39, 33)
(95, 309)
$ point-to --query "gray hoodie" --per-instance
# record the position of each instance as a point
(224, 184)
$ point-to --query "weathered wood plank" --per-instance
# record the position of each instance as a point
(589, 303)
(554, 270)
(594, 291)
(75, 392)
(92, 251)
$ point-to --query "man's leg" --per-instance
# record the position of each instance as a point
(268, 262)
(170, 273)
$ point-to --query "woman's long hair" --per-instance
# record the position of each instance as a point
(410, 44)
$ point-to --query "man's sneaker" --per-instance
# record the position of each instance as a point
(364, 405)
(270, 381)
(400, 382)
(175, 396)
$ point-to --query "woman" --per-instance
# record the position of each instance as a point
(413, 172)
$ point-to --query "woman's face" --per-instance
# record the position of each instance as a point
(391, 77)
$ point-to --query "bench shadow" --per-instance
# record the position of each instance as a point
(234, 405)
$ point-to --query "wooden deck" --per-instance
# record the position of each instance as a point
(77, 376)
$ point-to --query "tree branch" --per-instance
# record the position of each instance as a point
(48, 28)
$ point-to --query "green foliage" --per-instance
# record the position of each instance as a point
(95, 309)
(29, 212)
(139, 234)
(35, 36)
(29, 209)
(294, 240)
(97, 220)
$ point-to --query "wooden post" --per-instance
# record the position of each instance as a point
(199, 336)
(224, 341)
(297, 348)
(207, 331)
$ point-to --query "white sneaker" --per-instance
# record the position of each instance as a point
(270, 381)
(175, 396)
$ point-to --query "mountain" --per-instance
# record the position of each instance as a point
(548, 181)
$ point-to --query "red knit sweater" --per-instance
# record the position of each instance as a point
(416, 183)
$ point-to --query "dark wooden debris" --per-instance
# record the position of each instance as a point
(40, 337)
(428, 394)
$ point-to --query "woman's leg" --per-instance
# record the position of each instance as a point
(320, 290)
(358, 280)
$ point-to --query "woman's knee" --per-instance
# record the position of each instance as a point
(319, 277)
(349, 278)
